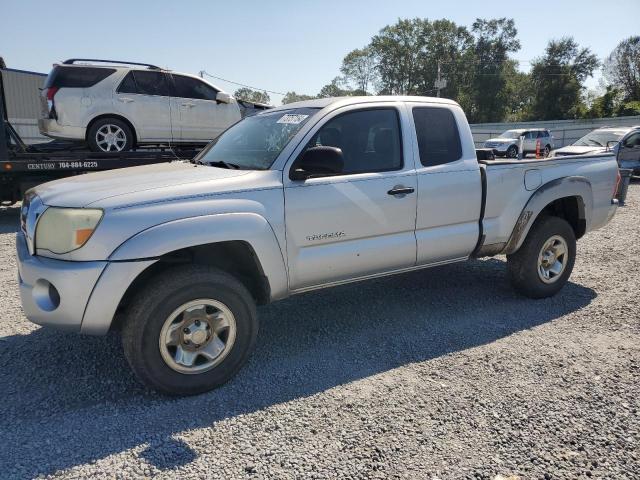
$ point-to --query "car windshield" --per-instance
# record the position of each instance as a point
(254, 142)
(511, 134)
(600, 138)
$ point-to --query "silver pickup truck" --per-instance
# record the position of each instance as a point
(305, 196)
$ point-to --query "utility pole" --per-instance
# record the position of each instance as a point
(440, 82)
(201, 73)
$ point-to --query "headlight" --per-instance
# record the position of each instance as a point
(62, 230)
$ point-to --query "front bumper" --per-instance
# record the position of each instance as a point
(55, 292)
(499, 149)
(76, 296)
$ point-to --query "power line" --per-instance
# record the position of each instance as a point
(204, 72)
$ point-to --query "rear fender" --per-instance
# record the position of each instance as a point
(549, 192)
(189, 232)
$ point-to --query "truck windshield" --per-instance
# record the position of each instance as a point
(254, 142)
(600, 138)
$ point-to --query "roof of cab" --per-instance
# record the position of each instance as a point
(343, 101)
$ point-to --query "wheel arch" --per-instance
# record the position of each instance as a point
(239, 243)
(235, 257)
(570, 198)
(113, 115)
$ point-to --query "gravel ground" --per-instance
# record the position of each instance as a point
(444, 373)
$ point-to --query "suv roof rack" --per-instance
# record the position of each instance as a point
(71, 61)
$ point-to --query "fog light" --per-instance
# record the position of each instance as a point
(46, 295)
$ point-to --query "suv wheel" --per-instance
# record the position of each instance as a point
(542, 265)
(547, 151)
(512, 152)
(190, 330)
(110, 135)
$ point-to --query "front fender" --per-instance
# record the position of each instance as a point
(189, 232)
(563, 187)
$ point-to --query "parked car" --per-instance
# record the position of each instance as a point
(622, 141)
(114, 106)
(628, 151)
(305, 196)
(508, 143)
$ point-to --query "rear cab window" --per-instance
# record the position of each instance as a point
(76, 76)
(438, 136)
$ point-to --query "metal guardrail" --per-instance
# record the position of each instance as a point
(562, 136)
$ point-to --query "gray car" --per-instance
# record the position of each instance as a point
(622, 141)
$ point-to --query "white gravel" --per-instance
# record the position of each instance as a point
(444, 373)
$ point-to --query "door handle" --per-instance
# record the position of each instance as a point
(189, 105)
(125, 99)
(400, 190)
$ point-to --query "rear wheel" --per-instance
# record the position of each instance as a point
(110, 135)
(512, 151)
(190, 330)
(544, 262)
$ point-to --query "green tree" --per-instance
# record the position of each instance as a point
(251, 95)
(558, 78)
(622, 68)
(408, 54)
(450, 47)
(359, 69)
(494, 40)
(517, 93)
(605, 105)
(335, 89)
(397, 49)
(291, 97)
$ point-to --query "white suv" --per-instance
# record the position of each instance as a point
(507, 144)
(114, 107)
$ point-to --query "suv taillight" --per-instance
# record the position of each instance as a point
(51, 92)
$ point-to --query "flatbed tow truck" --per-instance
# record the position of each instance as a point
(24, 166)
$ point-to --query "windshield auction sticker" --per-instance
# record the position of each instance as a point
(292, 118)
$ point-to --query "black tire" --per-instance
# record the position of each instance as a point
(101, 123)
(547, 151)
(154, 304)
(522, 266)
(512, 152)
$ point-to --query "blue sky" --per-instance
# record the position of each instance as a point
(276, 45)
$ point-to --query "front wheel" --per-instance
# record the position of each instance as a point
(190, 330)
(512, 152)
(543, 264)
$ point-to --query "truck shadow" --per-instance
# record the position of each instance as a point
(76, 394)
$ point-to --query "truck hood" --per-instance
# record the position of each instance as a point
(146, 183)
(579, 150)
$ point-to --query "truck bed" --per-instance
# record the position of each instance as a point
(505, 198)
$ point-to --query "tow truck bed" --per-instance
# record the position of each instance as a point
(24, 166)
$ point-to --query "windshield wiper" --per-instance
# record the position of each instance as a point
(223, 164)
(596, 142)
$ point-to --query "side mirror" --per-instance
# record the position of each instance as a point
(223, 97)
(611, 144)
(317, 162)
